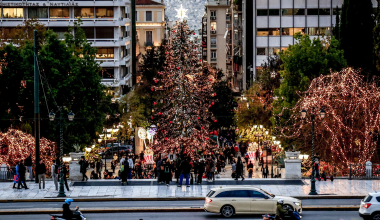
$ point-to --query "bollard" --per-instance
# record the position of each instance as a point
(349, 172)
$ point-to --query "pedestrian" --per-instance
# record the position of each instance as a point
(54, 174)
(209, 165)
(236, 149)
(124, 173)
(83, 168)
(201, 171)
(168, 172)
(64, 173)
(185, 171)
(233, 168)
(265, 171)
(218, 166)
(21, 173)
(177, 171)
(113, 165)
(16, 177)
(239, 169)
(98, 166)
(142, 155)
(29, 165)
(250, 169)
(130, 167)
(41, 173)
(195, 169)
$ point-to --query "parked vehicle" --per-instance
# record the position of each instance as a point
(113, 150)
(370, 206)
(246, 200)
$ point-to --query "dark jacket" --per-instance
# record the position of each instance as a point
(28, 162)
(21, 170)
(40, 168)
(167, 172)
(201, 168)
(83, 166)
(239, 167)
(185, 167)
(67, 213)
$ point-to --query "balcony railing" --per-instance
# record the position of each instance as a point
(217, 2)
(228, 11)
(228, 18)
(213, 31)
(237, 42)
(229, 26)
(213, 18)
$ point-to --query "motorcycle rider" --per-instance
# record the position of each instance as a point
(67, 213)
(280, 211)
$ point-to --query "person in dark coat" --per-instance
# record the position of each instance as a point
(64, 173)
(265, 171)
(201, 171)
(124, 173)
(29, 165)
(21, 173)
(168, 171)
(177, 168)
(83, 168)
(41, 173)
(239, 169)
(185, 171)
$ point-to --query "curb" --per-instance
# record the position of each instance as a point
(102, 199)
(156, 209)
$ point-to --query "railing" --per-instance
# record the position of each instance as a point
(6, 173)
(363, 171)
(229, 57)
(213, 18)
(228, 18)
(217, 2)
(229, 26)
(213, 31)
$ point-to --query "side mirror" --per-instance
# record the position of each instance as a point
(266, 197)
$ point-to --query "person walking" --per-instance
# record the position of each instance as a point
(209, 166)
(41, 173)
(21, 173)
(98, 166)
(201, 171)
(54, 174)
(168, 172)
(265, 171)
(64, 173)
(130, 164)
(250, 169)
(124, 172)
(16, 177)
(236, 150)
(195, 169)
(29, 165)
(177, 171)
(185, 171)
(83, 168)
(239, 169)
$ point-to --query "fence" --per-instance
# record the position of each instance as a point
(364, 171)
(6, 173)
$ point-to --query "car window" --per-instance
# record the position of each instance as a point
(223, 194)
(368, 198)
(378, 198)
(240, 193)
(210, 193)
(256, 194)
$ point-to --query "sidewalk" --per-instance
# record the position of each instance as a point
(336, 189)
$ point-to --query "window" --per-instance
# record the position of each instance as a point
(59, 12)
(89, 32)
(297, 30)
(312, 31)
(256, 194)
(13, 12)
(38, 12)
(337, 11)
(261, 51)
(105, 53)
(274, 12)
(312, 11)
(209, 194)
(240, 194)
(299, 11)
(287, 31)
(324, 11)
(149, 38)
(213, 42)
(60, 31)
(262, 12)
(128, 31)
(262, 32)
(107, 73)
(274, 31)
(223, 194)
(274, 51)
(127, 12)
(148, 16)
(84, 12)
(287, 11)
(104, 32)
(326, 31)
(213, 54)
(213, 26)
(213, 13)
(368, 198)
(104, 12)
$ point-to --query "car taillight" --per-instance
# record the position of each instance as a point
(208, 200)
(367, 205)
(52, 218)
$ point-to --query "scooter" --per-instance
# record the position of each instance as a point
(77, 215)
(291, 215)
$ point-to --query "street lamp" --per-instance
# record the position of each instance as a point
(322, 115)
(70, 117)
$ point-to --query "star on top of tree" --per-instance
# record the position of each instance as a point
(181, 13)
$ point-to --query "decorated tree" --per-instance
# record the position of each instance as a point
(16, 145)
(182, 114)
(350, 131)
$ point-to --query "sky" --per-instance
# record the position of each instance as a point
(195, 11)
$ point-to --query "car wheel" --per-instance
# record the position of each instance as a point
(375, 216)
(227, 211)
(287, 206)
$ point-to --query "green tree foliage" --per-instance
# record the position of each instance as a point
(356, 37)
(69, 77)
(302, 62)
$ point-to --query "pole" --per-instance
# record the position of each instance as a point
(313, 191)
(272, 166)
(36, 105)
(105, 153)
(133, 10)
(61, 181)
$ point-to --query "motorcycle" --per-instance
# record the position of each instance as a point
(291, 215)
(77, 215)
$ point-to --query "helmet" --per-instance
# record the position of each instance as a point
(68, 201)
(281, 201)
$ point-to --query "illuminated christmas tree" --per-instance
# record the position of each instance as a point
(182, 114)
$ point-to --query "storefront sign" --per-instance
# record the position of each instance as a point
(37, 4)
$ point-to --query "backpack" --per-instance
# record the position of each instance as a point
(167, 169)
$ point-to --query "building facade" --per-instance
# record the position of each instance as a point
(106, 25)
(222, 32)
(150, 24)
(271, 24)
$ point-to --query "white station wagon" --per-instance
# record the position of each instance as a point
(246, 200)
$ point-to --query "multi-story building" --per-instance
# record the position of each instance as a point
(105, 23)
(150, 24)
(271, 24)
(222, 39)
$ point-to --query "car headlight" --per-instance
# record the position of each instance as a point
(297, 203)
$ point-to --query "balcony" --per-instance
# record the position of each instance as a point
(218, 3)
(238, 26)
(213, 60)
(237, 42)
(228, 11)
(229, 26)
(213, 18)
(228, 57)
(228, 18)
(213, 32)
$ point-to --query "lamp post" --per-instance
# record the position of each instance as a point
(322, 115)
(70, 116)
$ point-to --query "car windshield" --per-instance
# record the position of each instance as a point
(368, 198)
(267, 193)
